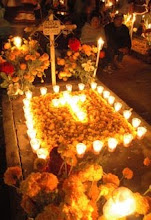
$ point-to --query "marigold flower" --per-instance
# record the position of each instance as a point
(147, 161)
(44, 57)
(2, 60)
(111, 178)
(107, 189)
(142, 206)
(147, 217)
(12, 175)
(127, 173)
(69, 53)
(23, 66)
(7, 46)
(48, 181)
(50, 212)
(28, 205)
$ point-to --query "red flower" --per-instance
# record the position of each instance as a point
(7, 68)
(102, 54)
(74, 44)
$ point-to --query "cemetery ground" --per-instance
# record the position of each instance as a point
(132, 85)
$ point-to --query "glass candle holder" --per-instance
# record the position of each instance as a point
(106, 94)
(136, 122)
(28, 94)
(97, 146)
(43, 90)
(117, 106)
(56, 89)
(127, 114)
(42, 153)
(112, 144)
(100, 89)
(127, 139)
(141, 131)
(93, 85)
(111, 100)
(69, 87)
(80, 148)
(35, 145)
(81, 86)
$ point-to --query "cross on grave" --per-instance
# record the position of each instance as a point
(53, 27)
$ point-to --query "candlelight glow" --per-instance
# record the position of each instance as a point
(97, 146)
(100, 43)
(55, 102)
(100, 89)
(43, 90)
(120, 205)
(35, 145)
(31, 133)
(106, 94)
(42, 153)
(93, 85)
(141, 131)
(28, 94)
(136, 122)
(69, 87)
(81, 86)
(127, 139)
(56, 88)
(81, 148)
(26, 102)
(82, 98)
(127, 114)
(112, 144)
(117, 106)
(111, 100)
(17, 41)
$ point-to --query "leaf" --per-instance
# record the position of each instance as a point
(4, 76)
(4, 84)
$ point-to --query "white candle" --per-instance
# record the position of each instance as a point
(43, 90)
(106, 94)
(112, 144)
(42, 153)
(93, 85)
(81, 115)
(26, 102)
(62, 101)
(29, 126)
(111, 100)
(127, 114)
(56, 88)
(55, 102)
(28, 94)
(136, 122)
(81, 86)
(80, 148)
(117, 106)
(127, 139)
(141, 131)
(100, 89)
(69, 87)
(17, 42)
(35, 144)
(31, 133)
(97, 146)
(82, 98)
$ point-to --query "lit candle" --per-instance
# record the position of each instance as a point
(28, 94)
(111, 100)
(56, 88)
(136, 122)
(106, 94)
(55, 102)
(43, 90)
(26, 102)
(112, 144)
(29, 126)
(80, 148)
(81, 86)
(127, 114)
(117, 106)
(97, 146)
(82, 98)
(62, 101)
(31, 133)
(100, 46)
(17, 42)
(127, 139)
(141, 131)
(69, 87)
(35, 144)
(100, 89)
(93, 85)
(42, 153)
(81, 115)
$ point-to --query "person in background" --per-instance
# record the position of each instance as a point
(118, 41)
(104, 13)
(93, 30)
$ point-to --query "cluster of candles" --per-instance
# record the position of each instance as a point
(73, 102)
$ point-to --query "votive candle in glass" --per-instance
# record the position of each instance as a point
(112, 144)
(55, 102)
(100, 89)
(106, 94)
(56, 88)
(81, 86)
(127, 114)
(26, 102)
(43, 90)
(127, 139)
(69, 87)
(42, 153)
(97, 146)
(111, 100)
(80, 148)
(28, 94)
(31, 133)
(82, 97)
(117, 106)
(136, 122)
(93, 85)
(141, 131)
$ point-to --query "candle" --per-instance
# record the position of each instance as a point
(112, 143)
(43, 90)
(100, 89)
(31, 133)
(100, 45)
(127, 139)
(136, 122)
(35, 144)
(69, 87)
(17, 42)
(106, 94)
(127, 114)
(117, 106)
(29, 126)
(42, 153)
(81, 115)
(111, 100)
(82, 98)
(56, 88)
(81, 86)
(80, 148)
(62, 101)
(26, 102)
(141, 131)
(55, 102)
(97, 146)
(93, 85)
(28, 94)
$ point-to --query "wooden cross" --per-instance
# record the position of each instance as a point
(53, 27)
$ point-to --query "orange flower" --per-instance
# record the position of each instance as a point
(39, 75)
(33, 57)
(7, 46)
(48, 181)
(142, 206)
(28, 205)
(106, 190)
(2, 60)
(147, 161)
(69, 52)
(12, 175)
(31, 79)
(27, 57)
(127, 173)
(15, 79)
(12, 57)
(147, 217)
(111, 178)
(23, 66)
(44, 57)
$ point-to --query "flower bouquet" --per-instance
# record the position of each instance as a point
(20, 63)
(79, 62)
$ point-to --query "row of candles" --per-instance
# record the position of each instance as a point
(81, 147)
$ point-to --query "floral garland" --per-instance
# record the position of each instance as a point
(20, 64)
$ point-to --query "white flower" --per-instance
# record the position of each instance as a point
(88, 66)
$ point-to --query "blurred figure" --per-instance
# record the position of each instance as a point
(104, 13)
(93, 30)
(118, 41)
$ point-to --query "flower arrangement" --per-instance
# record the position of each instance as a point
(20, 63)
(87, 193)
(79, 62)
